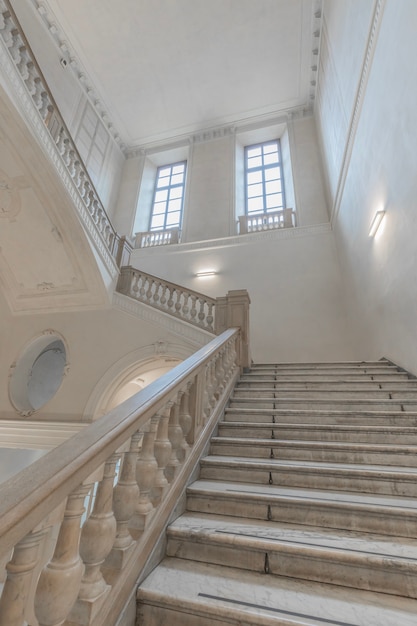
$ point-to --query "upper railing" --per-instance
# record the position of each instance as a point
(157, 238)
(36, 86)
(137, 461)
(266, 221)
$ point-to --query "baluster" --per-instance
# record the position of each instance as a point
(178, 302)
(60, 579)
(43, 109)
(89, 199)
(77, 177)
(163, 448)
(185, 419)
(7, 28)
(170, 302)
(156, 292)
(125, 499)
(14, 44)
(71, 163)
(220, 374)
(146, 469)
(19, 572)
(149, 291)
(210, 389)
(65, 151)
(205, 403)
(97, 538)
(163, 299)
(22, 66)
(193, 311)
(176, 436)
(185, 306)
(30, 80)
(37, 94)
(201, 314)
(210, 317)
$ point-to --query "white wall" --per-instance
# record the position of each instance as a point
(293, 279)
(379, 272)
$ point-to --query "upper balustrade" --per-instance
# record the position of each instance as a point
(68, 565)
(34, 83)
(284, 218)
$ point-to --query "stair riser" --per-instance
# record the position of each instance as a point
(305, 454)
(398, 386)
(325, 567)
(280, 432)
(316, 377)
(310, 479)
(271, 394)
(338, 405)
(326, 417)
(331, 514)
(333, 371)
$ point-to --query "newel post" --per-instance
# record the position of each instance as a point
(123, 247)
(232, 311)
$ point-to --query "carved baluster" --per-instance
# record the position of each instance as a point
(185, 306)
(163, 299)
(43, 108)
(178, 302)
(30, 80)
(7, 28)
(97, 538)
(201, 313)
(170, 302)
(176, 437)
(142, 289)
(14, 43)
(185, 419)
(19, 572)
(89, 199)
(205, 403)
(22, 66)
(71, 163)
(77, 176)
(125, 499)
(193, 311)
(210, 388)
(38, 89)
(156, 292)
(210, 317)
(134, 289)
(146, 469)
(60, 579)
(149, 290)
(163, 448)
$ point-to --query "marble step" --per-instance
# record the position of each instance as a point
(361, 561)
(182, 593)
(324, 394)
(380, 514)
(324, 370)
(340, 385)
(326, 451)
(340, 404)
(319, 416)
(317, 376)
(324, 365)
(366, 433)
(377, 479)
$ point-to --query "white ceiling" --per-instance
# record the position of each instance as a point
(163, 68)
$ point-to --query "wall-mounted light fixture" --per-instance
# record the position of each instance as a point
(205, 273)
(376, 223)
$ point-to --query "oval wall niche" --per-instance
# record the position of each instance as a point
(38, 373)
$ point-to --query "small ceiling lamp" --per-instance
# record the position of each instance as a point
(206, 273)
(376, 223)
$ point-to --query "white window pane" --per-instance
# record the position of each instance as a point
(163, 182)
(177, 179)
(178, 169)
(173, 219)
(271, 158)
(255, 190)
(254, 152)
(272, 147)
(254, 162)
(161, 196)
(254, 177)
(255, 205)
(273, 187)
(272, 173)
(274, 201)
(175, 193)
(174, 205)
(165, 171)
(157, 221)
(158, 208)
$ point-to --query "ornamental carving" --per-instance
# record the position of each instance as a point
(9, 197)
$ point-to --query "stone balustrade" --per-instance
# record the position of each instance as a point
(157, 238)
(188, 305)
(60, 569)
(35, 85)
(266, 221)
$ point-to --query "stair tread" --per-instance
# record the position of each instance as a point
(338, 445)
(267, 492)
(229, 593)
(223, 528)
(362, 469)
(321, 412)
(354, 428)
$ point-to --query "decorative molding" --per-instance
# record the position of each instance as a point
(197, 337)
(379, 7)
(10, 203)
(317, 24)
(35, 434)
(73, 62)
(30, 114)
(237, 240)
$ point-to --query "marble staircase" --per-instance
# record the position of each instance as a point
(305, 510)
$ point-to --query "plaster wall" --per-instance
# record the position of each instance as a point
(379, 272)
(293, 279)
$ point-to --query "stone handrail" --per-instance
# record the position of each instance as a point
(157, 238)
(186, 304)
(35, 84)
(266, 221)
(62, 569)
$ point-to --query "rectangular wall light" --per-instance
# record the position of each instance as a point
(376, 222)
(205, 273)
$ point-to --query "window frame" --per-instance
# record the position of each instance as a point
(263, 168)
(168, 188)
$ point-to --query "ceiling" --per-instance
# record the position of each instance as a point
(165, 68)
